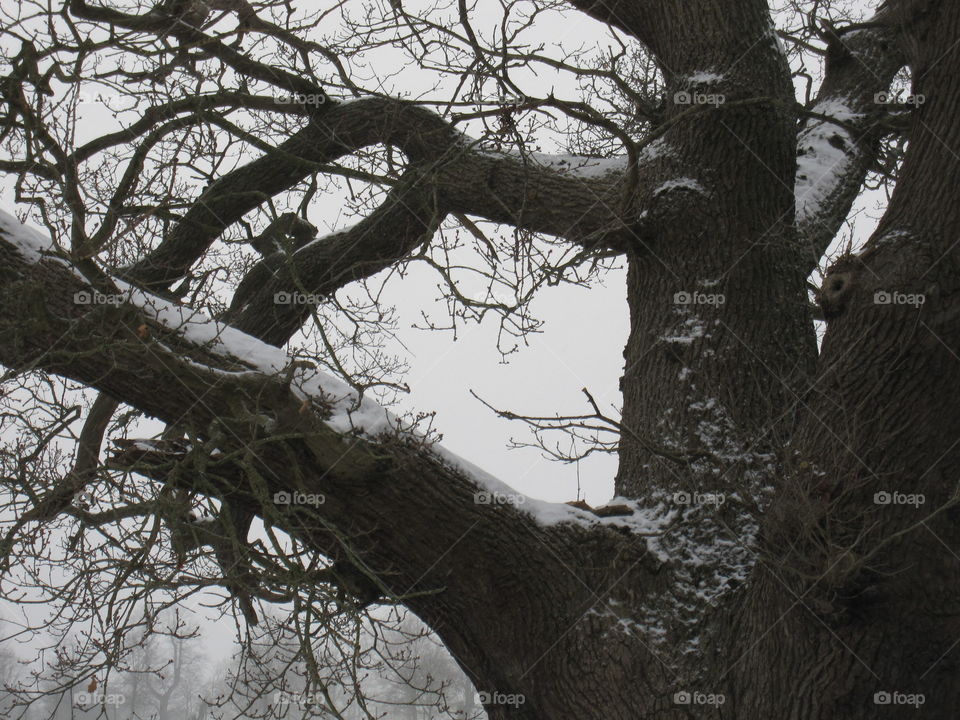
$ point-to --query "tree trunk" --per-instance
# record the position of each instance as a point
(859, 583)
(803, 553)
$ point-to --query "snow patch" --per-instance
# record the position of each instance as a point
(705, 77)
(200, 329)
(684, 183)
(31, 243)
(776, 40)
(145, 445)
(825, 152)
(693, 328)
(350, 412)
(581, 166)
(838, 109)
(324, 238)
(657, 149)
(893, 237)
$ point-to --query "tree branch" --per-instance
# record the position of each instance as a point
(496, 186)
(838, 147)
(382, 492)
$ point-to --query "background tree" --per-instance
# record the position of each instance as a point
(784, 536)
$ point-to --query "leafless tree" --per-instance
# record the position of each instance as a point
(784, 540)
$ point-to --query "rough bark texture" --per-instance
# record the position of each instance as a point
(862, 597)
(801, 597)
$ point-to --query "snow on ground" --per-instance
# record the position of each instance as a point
(350, 413)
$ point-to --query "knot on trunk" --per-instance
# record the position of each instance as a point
(838, 286)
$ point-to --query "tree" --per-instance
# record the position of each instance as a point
(784, 542)
(160, 679)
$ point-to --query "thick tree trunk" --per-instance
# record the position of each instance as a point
(779, 583)
(720, 335)
(850, 610)
(857, 590)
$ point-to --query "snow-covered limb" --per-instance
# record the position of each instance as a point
(704, 77)
(428, 528)
(352, 415)
(839, 141)
(684, 183)
(31, 243)
(230, 356)
(501, 187)
(825, 152)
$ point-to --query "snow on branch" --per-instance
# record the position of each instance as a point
(31, 243)
(349, 413)
(825, 150)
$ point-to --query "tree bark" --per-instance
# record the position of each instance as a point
(775, 582)
(855, 595)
